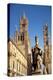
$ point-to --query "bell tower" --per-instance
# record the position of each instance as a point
(24, 28)
(24, 34)
(23, 23)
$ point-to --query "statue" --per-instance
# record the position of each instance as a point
(40, 67)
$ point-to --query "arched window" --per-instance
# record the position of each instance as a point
(22, 36)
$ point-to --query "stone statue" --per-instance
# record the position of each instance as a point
(40, 68)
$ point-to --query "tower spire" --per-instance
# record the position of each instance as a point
(24, 16)
(16, 34)
(36, 41)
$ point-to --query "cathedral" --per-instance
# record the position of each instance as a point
(22, 60)
(19, 51)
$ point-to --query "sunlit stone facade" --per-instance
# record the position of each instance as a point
(18, 51)
(17, 61)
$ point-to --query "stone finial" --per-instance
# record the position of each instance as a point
(36, 41)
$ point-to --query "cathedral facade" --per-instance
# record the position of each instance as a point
(19, 51)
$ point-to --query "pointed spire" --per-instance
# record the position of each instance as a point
(46, 24)
(36, 41)
(45, 27)
(24, 16)
(16, 34)
(16, 28)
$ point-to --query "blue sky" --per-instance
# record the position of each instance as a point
(37, 16)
